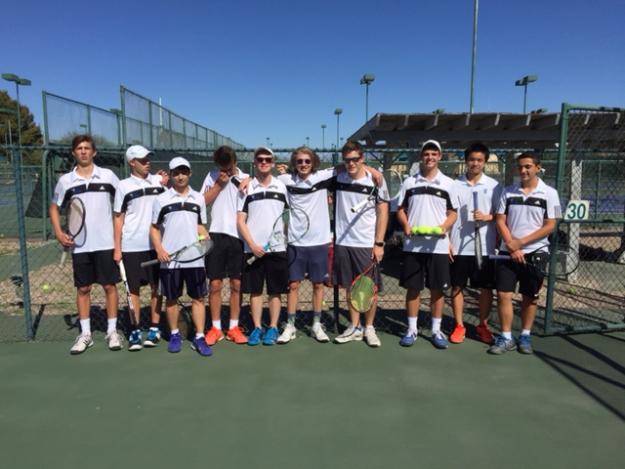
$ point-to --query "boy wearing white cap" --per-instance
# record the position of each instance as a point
(178, 218)
(134, 198)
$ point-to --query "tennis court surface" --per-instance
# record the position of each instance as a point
(311, 405)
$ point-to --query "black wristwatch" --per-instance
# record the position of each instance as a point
(379, 244)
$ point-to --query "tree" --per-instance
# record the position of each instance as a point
(31, 133)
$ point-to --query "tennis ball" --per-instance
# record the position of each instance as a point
(436, 230)
(46, 287)
(414, 230)
(201, 237)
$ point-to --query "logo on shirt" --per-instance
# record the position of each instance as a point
(537, 202)
(438, 193)
(364, 189)
(154, 191)
(102, 188)
(276, 196)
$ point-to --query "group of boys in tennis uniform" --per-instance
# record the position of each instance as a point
(151, 216)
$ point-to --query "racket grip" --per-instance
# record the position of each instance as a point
(251, 260)
(359, 205)
(149, 263)
(499, 257)
(63, 257)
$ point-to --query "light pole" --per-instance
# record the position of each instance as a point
(323, 136)
(366, 80)
(337, 112)
(526, 80)
(268, 142)
(18, 81)
(474, 52)
(308, 142)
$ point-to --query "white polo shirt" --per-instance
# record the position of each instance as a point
(426, 202)
(357, 229)
(263, 205)
(311, 196)
(224, 208)
(526, 213)
(178, 216)
(134, 198)
(97, 193)
(488, 192)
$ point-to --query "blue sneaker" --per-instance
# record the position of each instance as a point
(502, 345)
(409, 339)
(134, 341)
(271, 336)
(200, 346)
(524, 344)
(439, 340)
(153, 338)
(175, 343)
(255, 337)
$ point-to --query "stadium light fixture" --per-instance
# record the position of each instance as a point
(337, 112)
(366, 80)
(308, 142)
(19, 81)
(526, 80)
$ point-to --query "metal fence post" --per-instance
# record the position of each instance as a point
(19, 194)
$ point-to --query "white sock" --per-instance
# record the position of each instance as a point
(199, 335)
(111, 325)
(506, 335)
(175, 331)
(234, 323)
(436, 325)
(526, 332)
(412, 324)
(85, 326)
(217, 324)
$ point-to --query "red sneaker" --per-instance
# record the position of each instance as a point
(484, 334)
(236, 335)
(457, 336)
(213, 336)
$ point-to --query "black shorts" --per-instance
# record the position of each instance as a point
(422, 270)
(95, 267)
(172, 280)
(508, 273)
(350, 262)
(311, 260)
(464, 269)
(137, 275)
(226, 259)
(272, 268)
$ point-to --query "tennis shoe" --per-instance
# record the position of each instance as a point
(484, 334)
(153, 338)
(82, 343)
(319, 334)
(213, 336)
(371, 337)
(288, 334)
(175, 343)
(439, 340)
(270, 336)
(458, 335)
(350, 334)
(502, 345)
(200, 346)
(134, 341)
(114, 340)
(236, 335)
(409, 339)
(255, 337)
(524, 344)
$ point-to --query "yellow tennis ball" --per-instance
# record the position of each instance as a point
(46, 287)
(414, 230)
(426, 230)
(201, 237)
(437, 230)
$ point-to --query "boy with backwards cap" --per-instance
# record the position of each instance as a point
(178, 218)
(134, 198)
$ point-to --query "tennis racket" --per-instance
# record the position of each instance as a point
(290, 227)
(478, 237)
(539, 261)
(131, 309)
(364, 290)
(74, 224)
(394, 181)
(189, 253)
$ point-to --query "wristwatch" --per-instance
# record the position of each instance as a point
(379, 244)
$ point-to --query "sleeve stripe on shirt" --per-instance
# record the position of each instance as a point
(176, 207)
(140, 193)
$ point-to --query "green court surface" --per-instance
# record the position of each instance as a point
(309, 405)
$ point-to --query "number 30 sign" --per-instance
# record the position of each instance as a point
(577, 210)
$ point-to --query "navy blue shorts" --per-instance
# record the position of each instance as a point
(194, 278)
(311, 260)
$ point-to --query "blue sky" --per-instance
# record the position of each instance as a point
(278, 69)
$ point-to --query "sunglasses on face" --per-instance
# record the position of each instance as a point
(268, 159)
(352, 160)
(303, 161)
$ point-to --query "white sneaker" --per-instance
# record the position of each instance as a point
(288, 334)
(114, 340)
(371, 337)
(82, 343)
(318, 333)
(350, 334)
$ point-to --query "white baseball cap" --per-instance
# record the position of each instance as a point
(266, 150)
(179, 161)
(431, 142)
(137, 152)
